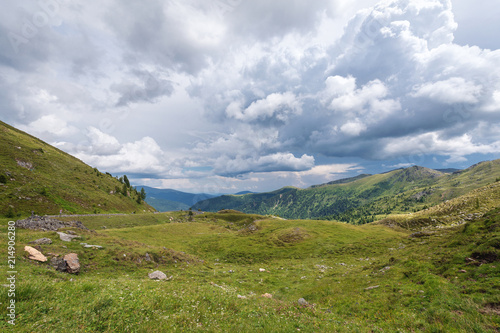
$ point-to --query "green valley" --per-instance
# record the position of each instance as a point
(230, 271)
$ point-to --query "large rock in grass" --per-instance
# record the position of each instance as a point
(72, 263)
(66, 237)
(34, 254)
(59, 264)
(157, 275)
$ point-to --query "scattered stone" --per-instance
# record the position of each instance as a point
(44, 223)
(158, 275)
(266, 295)
(59, 264)
(420, 234)
(66, 237)
(72, 263)
(303, 302)
(242, 297)
(262, 269)
(88, 246)
(462, 271)
(252, 227)
(71, 232)
(373, 287)
(148, 258)
(34, 254)
(42, 241)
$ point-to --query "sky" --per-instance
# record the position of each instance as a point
(223, 96)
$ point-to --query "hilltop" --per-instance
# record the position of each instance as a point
(365, 198)
(35, 176)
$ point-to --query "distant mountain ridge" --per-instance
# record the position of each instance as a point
(165, 200)
(364, 198)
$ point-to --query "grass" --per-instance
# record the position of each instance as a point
(221, 264)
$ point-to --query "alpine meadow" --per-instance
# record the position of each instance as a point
(250, 166)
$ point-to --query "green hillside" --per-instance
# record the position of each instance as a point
(35, 176)
(365, 198)
(433, 271)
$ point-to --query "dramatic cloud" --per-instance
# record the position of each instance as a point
(235, 94)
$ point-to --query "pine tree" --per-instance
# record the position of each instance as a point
(125, 179)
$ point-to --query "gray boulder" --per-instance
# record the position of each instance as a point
(42, 241)
(157, 275)
(59, 264)
(66, 237)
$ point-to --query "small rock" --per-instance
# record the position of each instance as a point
(157, 275)
(88, 246)
(302, 302)
(66, 237)
(34, 254)
(242, 297)
(266, 295)
(148, 258)
(262, 269)
(72, 263)
(373, 287)
(462, 271)
(42, 241)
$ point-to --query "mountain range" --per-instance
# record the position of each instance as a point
(165, 200)
(364, 198)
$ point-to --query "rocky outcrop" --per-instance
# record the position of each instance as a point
(47, 224)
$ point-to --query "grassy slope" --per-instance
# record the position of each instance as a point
(363, 200)
(424, 283)
(51, 180)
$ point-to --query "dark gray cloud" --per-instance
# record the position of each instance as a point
(148, 88)
(203, 92)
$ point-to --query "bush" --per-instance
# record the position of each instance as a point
(10, 213)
